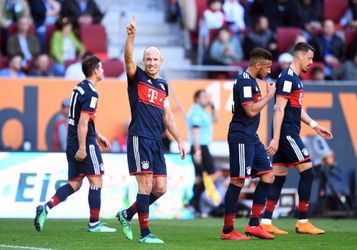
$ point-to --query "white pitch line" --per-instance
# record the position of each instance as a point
(23, 247)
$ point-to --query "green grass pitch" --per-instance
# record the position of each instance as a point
(177, 234)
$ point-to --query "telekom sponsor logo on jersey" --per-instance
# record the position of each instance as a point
(152, 96)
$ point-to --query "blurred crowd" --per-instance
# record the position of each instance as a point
(223, 32)
(41, 38)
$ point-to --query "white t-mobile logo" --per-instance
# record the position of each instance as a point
(152, 95)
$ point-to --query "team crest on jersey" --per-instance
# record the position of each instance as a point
(145, 164)
(162, 86)
(305, 152)
(249, 170)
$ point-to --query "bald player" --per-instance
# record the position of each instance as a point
(150, 112)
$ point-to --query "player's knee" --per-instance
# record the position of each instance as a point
(268, 178)
(238, 182)
(308, 174)
(159, 191)
(75, 185)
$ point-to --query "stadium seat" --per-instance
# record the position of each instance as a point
(4, 62)
(308, 75)
(350, 40)
(334, 9)
(94, 38)
(113, 68)
(285, 37)
(201, 6)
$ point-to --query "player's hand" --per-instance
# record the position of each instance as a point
(271, 89)
(182, 150)
(273, 147)
(325, 133)
(81, 154)
(131, 28)
(103, 143)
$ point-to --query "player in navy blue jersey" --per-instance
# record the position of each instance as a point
(287, 146)
(150, 113)
(83, 154)
(248, 157)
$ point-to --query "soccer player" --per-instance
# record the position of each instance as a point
(150, 111)
(248, 157)
(83, 154)
(287, 146)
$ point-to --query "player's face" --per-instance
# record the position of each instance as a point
(306, 60)
(100, 72)
(152, 61)
(264, 68)
(203, 100)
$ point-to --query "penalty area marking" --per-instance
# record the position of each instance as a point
(23, 247)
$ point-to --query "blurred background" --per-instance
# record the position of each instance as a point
(205, 44)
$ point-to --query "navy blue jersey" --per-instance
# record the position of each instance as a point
(242, 128)
(289, 86)
(148, 98)
(84, 99)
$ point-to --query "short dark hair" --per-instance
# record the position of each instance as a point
(198, 94)
(260, 54)
(89, 64)
(303, 47)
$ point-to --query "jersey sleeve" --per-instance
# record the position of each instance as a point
(89, 102)
(133, 78)
(245, 92)
(284, 86)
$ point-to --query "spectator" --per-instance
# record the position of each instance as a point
(74, 71)
(260, 36)
(226, 48)
(310, 13)
(64, 45)
(14, 69)
(329, 48)
(279, 12)
(189, 14)
(284, 61)
(60, 129)
(349, 19)
(317, 74)
(348, 70)
(199, 122)
(23, 42)
(42, 67)
(44, 12)
(81, 11)
(213, 16)
(12, 10)
(234, 15)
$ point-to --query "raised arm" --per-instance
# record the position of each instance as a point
(130, 65)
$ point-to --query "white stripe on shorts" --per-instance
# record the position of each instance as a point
(94, 158)
(295, 148)
(241, 160)
(136, 153)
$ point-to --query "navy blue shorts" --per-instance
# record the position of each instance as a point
(248, 160)
(146, 156)
(91, 165)
(291, 151)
